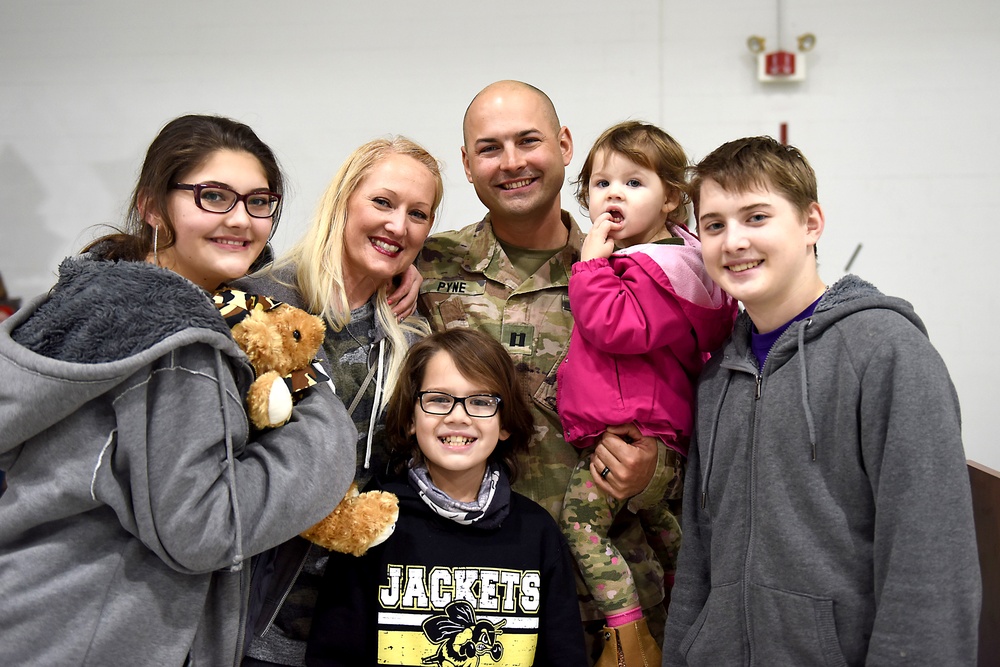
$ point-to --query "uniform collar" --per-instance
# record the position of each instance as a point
(487, 257)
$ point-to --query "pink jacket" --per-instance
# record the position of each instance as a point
(645, 321)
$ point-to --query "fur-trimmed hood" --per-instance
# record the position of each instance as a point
(101, 322)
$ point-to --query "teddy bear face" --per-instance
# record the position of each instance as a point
(282, 339)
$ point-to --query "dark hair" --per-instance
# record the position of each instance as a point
(753, 163)
(647, 146)
(480, 359)
(180, 147)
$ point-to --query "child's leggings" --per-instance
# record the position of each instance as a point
(587, 515)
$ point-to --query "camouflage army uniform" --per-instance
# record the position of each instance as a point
(470, 282)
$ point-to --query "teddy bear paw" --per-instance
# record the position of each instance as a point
(269, 403)
(358, 523)
(279, 405)
(384, 535)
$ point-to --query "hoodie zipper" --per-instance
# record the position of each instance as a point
(245, 580)
(284, 595)
(758, 391)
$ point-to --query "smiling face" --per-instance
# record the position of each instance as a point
(515, 153)
(455, 447)
(211, 249)
(759, 249)
(388, 218)
(633, 196)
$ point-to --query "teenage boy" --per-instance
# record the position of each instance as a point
(827, 513)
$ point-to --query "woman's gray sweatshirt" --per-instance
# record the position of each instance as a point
(135, 489)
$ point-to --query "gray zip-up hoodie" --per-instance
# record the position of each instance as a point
(135, 491)
(827, 513)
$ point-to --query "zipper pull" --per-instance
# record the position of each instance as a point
(759, 381)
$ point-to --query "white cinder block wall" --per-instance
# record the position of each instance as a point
(898, 116)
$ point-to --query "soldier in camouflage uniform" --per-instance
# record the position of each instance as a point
(497, 275)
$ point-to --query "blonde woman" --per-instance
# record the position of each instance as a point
(368, 228)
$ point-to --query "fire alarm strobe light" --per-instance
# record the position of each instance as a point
(781, 65)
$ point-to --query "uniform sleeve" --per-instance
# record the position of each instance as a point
(664, 478)
(927, 580)
(623, 308)
(183, 478)
(692, 580)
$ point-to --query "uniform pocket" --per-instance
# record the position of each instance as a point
(793, 628)
(452, 314)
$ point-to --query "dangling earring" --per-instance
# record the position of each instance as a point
(156, 257)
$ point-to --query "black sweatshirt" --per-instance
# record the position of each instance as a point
(438, 590)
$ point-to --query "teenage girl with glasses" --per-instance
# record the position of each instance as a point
(473, 571)
(136, 490)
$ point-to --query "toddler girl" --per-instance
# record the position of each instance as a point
(646, 316)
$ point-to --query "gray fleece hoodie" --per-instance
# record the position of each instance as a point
(827, 513)
(136, 491)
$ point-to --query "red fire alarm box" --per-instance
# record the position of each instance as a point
(779, 63)
(779, 66)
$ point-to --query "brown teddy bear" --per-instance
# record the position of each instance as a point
(281, 342)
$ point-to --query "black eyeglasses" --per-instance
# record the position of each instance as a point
(440, 403)
(220, 199)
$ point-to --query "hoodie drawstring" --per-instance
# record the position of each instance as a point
(379, 379)
(221, 373)
(804, 378)
(378, 371)
(711, 441)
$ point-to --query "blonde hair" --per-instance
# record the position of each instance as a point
(319, 254)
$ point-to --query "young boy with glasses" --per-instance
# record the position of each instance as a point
(827, 513)
(474, 573)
